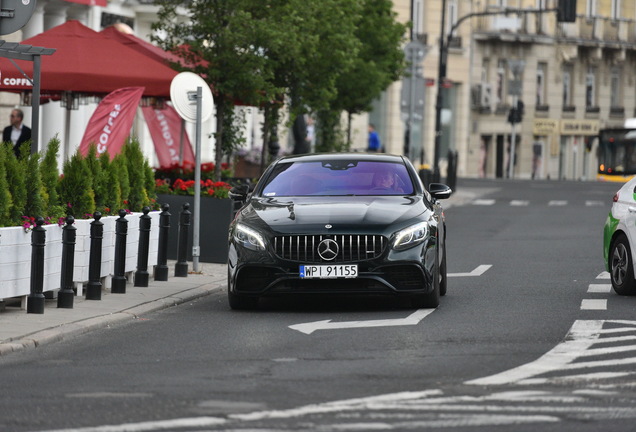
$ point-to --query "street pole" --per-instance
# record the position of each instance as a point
(513, 141)
(441, 75)
(516, 66)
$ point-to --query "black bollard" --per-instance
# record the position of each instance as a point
(94, 286)
(66, 295)
(35, 300)
(121, 231)
(181, 268)
(141, 275)
(161, 269)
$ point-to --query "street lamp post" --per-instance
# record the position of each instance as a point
(441, 75)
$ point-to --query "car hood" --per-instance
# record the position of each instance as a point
(345, 214)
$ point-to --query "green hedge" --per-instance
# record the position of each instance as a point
(32, 186)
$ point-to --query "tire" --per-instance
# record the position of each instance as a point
(430, 300)
(443, 285)
(621, 267)
(238, 302)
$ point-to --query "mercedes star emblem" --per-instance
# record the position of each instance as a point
(328, 249)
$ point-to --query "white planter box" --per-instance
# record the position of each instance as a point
(15, 254)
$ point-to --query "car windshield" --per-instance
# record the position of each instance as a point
(338, 177)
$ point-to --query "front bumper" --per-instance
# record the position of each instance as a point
(403, 272)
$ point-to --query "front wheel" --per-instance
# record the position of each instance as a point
(621, 267)
(442, 275)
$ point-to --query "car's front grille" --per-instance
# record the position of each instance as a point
(343, 248)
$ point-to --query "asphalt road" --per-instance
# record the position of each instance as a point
(521, 342)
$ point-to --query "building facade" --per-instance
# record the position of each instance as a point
(573, 79)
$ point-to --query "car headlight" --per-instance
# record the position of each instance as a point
(249, 237)
(410, 236)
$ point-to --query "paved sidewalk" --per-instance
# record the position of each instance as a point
(19, 330)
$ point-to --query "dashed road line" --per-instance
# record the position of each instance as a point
(593, 304)
(599, 288)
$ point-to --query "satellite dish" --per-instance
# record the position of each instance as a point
(183, 93)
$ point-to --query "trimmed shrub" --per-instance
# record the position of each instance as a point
(34, 187)
(51, 178)
(75, 188)
(5, 196)
(16, 181)
(134, 157)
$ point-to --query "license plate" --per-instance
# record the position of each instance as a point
(329, 271)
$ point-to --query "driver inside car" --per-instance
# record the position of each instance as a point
(384, 180)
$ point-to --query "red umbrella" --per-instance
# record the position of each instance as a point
(88, 62)
(140, 45)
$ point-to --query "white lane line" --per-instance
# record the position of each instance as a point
(599, 288)
(557, 203)
(479, 270)
(593, 304)
(338, 406)
(519, 203)
(603, 275)
(484, 202)
(152, 426)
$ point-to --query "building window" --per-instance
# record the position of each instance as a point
(500, 89)
(567, 85)
(615, 88)
(541, 79)
(590, 87)
(590, 8)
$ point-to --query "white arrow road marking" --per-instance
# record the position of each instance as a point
(480, 270)
(413, 319)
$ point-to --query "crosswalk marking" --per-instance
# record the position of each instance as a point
(593, 304)
(519, 203)
(586, 338)
(557, 203)
(603, 275)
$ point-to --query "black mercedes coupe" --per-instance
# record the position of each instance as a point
(338, 223)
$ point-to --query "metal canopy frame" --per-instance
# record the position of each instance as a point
(17, 51)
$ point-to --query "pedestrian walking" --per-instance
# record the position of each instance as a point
(374, 140)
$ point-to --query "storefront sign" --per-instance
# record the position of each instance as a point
(579, 127)
(545, 127)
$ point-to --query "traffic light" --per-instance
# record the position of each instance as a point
(566, 11)
(516, 113)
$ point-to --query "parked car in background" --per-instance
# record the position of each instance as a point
(618, 240)
(342, 223)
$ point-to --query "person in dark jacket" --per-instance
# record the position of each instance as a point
(16, 133)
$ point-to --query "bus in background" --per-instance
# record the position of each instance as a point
(617, 153)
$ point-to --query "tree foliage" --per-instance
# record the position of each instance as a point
(315, 55)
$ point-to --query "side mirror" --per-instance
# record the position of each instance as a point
(440, 191)
(239, 193)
